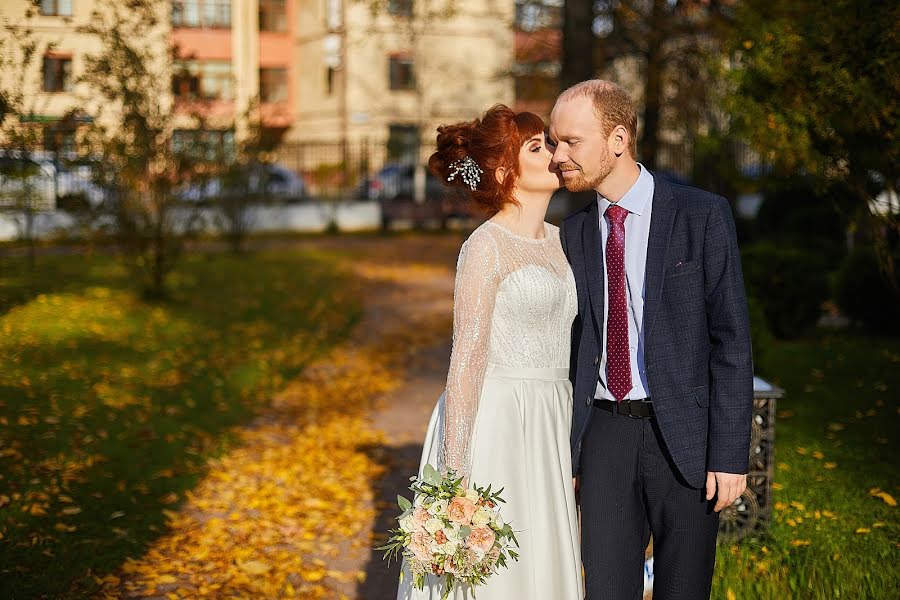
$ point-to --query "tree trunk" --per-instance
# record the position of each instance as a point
(578, 42)
(653, 87)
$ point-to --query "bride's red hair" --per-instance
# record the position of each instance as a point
(493, 141)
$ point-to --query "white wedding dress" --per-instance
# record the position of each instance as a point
(506, 414)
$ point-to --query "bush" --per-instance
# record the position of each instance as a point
(789, 284)
(864, 294)
(759, 332)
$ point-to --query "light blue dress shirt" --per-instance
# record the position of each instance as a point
(638, 201)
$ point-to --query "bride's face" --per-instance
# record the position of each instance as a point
(538, 172)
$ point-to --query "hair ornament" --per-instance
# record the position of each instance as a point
(468, 170)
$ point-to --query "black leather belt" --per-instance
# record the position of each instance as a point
(636, 409)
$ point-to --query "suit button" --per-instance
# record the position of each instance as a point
(588, 401)
(597, 360)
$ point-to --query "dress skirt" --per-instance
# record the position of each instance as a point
(520, 442)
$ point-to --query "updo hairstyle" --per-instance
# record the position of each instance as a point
(492, 142)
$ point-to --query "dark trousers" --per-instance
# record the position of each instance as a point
(630, 489)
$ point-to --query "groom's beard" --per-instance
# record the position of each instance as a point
(580, 183)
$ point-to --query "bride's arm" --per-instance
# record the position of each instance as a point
(477, 278)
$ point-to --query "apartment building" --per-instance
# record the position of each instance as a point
(324, 71)
(393, 74)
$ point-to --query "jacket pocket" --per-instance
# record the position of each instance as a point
(701, 395)
(684, 268)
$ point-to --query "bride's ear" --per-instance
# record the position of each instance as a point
(500, 174)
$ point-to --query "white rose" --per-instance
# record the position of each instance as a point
(450, 546)
(408, 524)
(482, 517)
(432, 525)
(438, 508)
(472, 495)
(452, 533)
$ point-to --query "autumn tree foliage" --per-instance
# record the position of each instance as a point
(815, 88)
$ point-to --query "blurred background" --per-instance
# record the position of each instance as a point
(226, 275)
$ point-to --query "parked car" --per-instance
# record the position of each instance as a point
(263, 182)
(393, 186)
(52, 183)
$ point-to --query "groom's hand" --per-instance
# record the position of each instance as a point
(726, 487)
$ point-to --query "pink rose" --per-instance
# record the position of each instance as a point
(482, 538)
(420, 515)
(420, 545)
(461, 510)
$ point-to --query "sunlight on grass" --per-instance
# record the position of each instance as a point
(110, 406)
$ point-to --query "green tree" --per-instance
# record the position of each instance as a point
(815, 89)
(133, 133)
(23, 190)
(678, 45)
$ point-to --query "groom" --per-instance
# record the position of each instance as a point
(661, 361)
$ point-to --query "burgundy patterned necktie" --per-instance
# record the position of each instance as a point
(618, 359)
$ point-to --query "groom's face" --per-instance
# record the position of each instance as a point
(581, 150)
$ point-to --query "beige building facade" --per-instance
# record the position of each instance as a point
(394, 74)
(325, 71)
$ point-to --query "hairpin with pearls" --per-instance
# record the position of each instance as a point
(468, 170)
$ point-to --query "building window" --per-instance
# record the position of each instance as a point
(400, 8)
(56, 8)
(202, 13)
(58, 139)
(206, 80)
(273, 85)
(401, 73)
(204, 144)
(330, 74)
(272, 15)
(57, 74)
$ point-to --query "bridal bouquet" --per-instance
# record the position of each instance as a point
(451, 531)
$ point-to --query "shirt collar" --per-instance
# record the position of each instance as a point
(636, 198)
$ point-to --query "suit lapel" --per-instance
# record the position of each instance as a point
(593, 262)
(661, 220)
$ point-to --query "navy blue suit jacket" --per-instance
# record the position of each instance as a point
(696, 329)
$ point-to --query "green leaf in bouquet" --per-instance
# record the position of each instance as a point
(431, 475)
(465, 531)
(404, 503)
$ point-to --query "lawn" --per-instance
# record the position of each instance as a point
(834, 532)
(111, 406)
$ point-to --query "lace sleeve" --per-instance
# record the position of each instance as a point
(477, 278)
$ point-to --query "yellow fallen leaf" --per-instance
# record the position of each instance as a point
(798, 543)
(730, 595)
(818, 455)
(878, 493)
(255, 567)
(830, 465)
(798, 505)
(71, 510)
(777, 486)
(801, 450)
(863, 530)
(164, 579)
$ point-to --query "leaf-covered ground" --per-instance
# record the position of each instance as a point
(245, 439)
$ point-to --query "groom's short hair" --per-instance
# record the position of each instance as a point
(612, 104)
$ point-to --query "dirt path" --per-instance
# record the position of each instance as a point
(295, 509)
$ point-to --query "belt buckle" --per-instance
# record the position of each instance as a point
(630, 413)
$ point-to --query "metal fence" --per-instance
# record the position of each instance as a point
(335, 170)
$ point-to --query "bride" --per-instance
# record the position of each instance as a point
(505, 416)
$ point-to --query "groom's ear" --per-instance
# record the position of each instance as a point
(618, 139)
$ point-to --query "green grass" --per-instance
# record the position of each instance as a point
(110, 406)
(836, 440)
